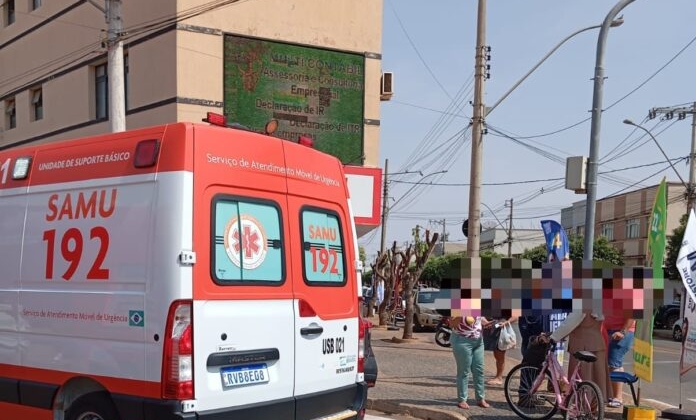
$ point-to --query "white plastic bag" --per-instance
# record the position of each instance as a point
(507, 339)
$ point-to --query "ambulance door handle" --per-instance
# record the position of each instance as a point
(311, 330)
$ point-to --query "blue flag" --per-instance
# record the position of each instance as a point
(557, 244)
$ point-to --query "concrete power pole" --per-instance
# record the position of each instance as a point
(385, 208)
(473, 243)
(442, 222)
(681, 113)
(509, 238)
(115, 72)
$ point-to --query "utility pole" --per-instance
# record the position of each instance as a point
(477, 128)
(115, 73)
(681, 113)
(385, 208)
(509, 238)
(442, 222)
(444, 235)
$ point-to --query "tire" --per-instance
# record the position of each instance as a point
(671, 319)
(95, 406)
(538, 405)
(442, 338)
(586, 402)
(677, 333)
(417, 327)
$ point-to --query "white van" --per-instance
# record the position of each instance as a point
(183, 271)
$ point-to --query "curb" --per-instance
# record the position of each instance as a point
(413, 410)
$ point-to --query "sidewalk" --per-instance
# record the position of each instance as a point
(421, 383)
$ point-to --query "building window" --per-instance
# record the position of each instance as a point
(10, 114)
(9, 12)
(35, 4)
(37, 104)
(632, 228)
(101, 90)
(608, 231)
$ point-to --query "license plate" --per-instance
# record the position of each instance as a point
(244, 375)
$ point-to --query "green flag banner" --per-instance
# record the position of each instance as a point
(643, 346)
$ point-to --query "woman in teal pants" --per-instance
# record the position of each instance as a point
(467, 346)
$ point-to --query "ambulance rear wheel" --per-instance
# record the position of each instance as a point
(95, 406)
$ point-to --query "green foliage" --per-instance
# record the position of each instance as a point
(419, 243)
(436, 267)
(538, 254)
(602, 251)
(489, 253)
(673, 244)
(362, 254)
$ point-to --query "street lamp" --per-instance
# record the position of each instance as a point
(385, 196)
(614, 23)
(629, 122)
(475, 181)
(420, 182)
(588, 249)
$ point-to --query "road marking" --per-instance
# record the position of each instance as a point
(658, 404)
(665, 362)
(692, 399)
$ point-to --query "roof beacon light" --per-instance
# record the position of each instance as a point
(306, 141)
(215, 119)
(21, 167)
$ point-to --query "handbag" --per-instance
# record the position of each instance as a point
(507, 339)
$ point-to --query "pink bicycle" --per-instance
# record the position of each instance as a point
(538, 392)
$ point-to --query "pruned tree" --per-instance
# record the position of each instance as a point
(382, 269)
(412, 263)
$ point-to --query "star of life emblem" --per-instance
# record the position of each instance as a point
(245, 242)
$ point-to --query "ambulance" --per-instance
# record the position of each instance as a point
(184, 271)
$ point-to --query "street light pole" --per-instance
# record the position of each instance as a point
(629, 122)
(592, 165)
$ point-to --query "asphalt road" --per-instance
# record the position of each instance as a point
(665, 387)
(664, 391)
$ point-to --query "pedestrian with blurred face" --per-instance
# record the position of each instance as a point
(467, 347)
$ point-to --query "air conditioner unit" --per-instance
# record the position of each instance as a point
(386, 86)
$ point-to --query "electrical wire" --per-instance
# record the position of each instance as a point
(640, 85)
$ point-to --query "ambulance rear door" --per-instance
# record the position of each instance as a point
(326, 334)
(243, 301)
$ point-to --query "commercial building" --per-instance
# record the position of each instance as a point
(624, 219)
(313, 65)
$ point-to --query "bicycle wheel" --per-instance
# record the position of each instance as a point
(585, 402)
(526, 402)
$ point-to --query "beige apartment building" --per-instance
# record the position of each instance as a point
(314, 65)
(624, 219)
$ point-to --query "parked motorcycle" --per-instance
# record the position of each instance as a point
(443, 331)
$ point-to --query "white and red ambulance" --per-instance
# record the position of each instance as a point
(184, 271)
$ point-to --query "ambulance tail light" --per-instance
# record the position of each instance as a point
(177, 363)
(146, 153)
(215, 119)
(362, 336)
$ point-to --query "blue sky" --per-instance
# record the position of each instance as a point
(429, 46)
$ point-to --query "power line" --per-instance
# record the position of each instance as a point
(531, 181)
(640, 85)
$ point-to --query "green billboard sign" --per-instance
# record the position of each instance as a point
(310, 91)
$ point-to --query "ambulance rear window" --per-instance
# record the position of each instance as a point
(322, 243)
(247, 246)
